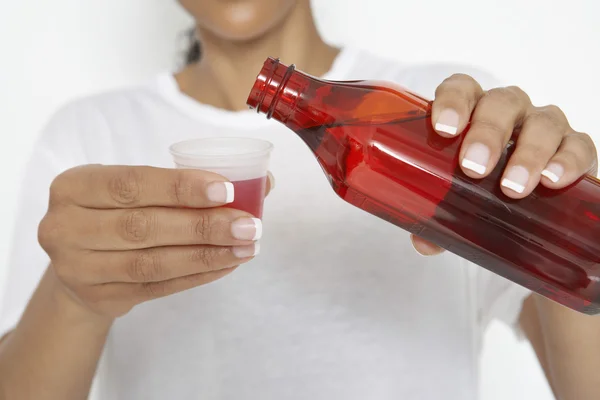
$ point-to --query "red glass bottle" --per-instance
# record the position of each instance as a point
(376, 144)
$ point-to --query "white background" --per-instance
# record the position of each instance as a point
(55, 50)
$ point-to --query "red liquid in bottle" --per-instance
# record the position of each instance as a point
(376, 144)
(250, 195)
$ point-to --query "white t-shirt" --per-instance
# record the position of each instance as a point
(338, 305)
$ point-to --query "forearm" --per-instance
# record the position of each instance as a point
(54, 351)
(571, 344)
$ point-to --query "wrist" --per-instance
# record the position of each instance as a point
(72, 309)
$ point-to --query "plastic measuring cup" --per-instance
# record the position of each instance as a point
(244, 161)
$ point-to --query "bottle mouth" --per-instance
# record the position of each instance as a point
(269, 84)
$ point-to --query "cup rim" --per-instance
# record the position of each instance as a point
(263, 150)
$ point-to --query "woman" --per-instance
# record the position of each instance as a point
(337, 305)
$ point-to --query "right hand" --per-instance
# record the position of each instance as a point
(118, 236)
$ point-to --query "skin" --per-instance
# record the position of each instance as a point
(166, 236)
(566, 342)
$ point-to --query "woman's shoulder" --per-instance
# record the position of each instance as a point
(113, 102)
(421, 77)
(88, 124)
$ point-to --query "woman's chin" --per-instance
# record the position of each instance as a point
(240, 32)
(245, 21)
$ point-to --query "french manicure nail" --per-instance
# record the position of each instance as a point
(477, 158)
(246, 251)
(554, 171)
(448, 122)
(247, 229)
(516, 179)
(220, 192)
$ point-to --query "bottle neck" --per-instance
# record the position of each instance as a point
(277, 90)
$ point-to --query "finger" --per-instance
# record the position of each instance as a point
(140, 292)
(162, 263)
(144, 228)
(455, 100)
(106, 187)
(575, 157)
(270, 183)
(493, 122)
(424, 247)
(541, 134)
(153, 290)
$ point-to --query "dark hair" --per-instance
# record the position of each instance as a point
(194, 51)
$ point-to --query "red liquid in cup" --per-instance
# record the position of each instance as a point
(250, 195)
(376, 144)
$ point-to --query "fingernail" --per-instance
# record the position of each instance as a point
(516, 179)
(477, 158)
(554, 171)
(220, 192)
(271, 180)
(246, 251)
(448, 122)
(247, 229)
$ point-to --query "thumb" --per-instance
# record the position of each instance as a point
(270, 183)
(424, 247)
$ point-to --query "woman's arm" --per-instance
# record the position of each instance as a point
(548, 153)
(117, 236)
(54, 350)
(568, 346)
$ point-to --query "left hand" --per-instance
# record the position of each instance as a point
(548, 150)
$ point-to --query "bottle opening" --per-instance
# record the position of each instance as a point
(268, 91)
